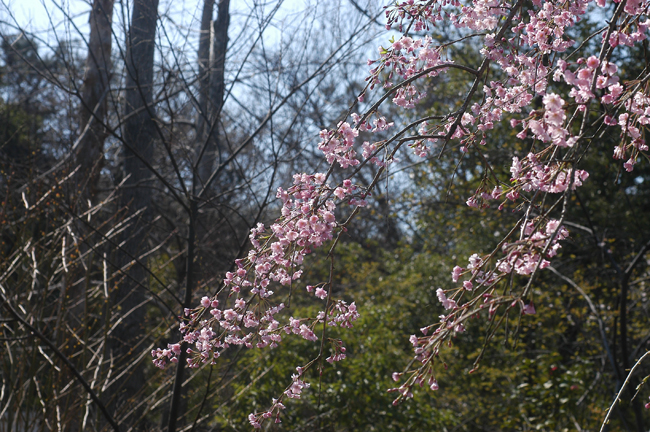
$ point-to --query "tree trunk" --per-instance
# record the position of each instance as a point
(88, 160)
(219, 46)
(138, 135)
(94, 95)
(204, 57)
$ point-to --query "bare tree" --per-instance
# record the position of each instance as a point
(179, 155)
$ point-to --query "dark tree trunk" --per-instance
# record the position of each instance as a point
(211, 58)
(88, 160)
(94, 96)
(203, 58)
(138, 133)
(220, 36)
(215, 90)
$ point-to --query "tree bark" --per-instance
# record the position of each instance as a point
(138, 134)
(204, 57)
(94, 96)
(209, 149)
(88, 159)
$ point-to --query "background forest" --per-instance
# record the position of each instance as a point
(138, 150)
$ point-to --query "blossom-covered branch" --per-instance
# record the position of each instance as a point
(525, 55)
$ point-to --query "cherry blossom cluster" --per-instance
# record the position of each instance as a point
(419, 14)
(379, 124)
(370, 150)
(547, 26)
(526, 255)
(427, 347)
(161, 356)
(294, 391)
(338, 351)
(549, 126)
(308, 221)
(249, 317)
(343, 315)
(476, 15)
(632, 122)
(257, 419)
(582, 79)
(530, 174)
(626, 36)
(338, 145)
(539, 241)
(406, 58)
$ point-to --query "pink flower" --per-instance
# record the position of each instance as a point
(553, 102)
(329, 217)
(230, 314)
(446, 303)
(456, 272)
(616, 90)
(307, 333)
(593, 62)
(529, 309)
(252, 419)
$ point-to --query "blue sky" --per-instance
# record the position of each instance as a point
(40, 16)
